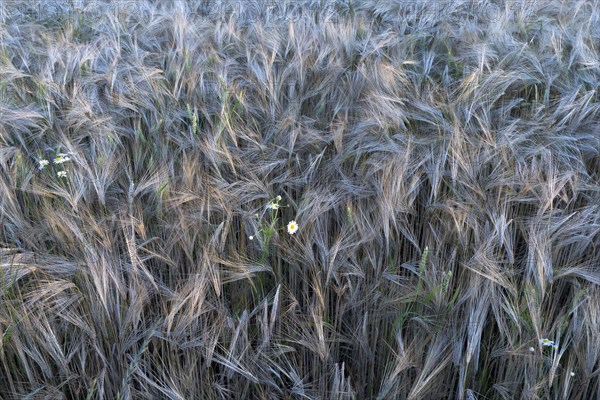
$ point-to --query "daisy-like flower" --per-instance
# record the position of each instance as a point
(60, 160)
(43, 163)
(292, 227)
(273, 206)
(548, 342)
(61, 174)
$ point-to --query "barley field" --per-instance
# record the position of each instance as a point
(300, 199)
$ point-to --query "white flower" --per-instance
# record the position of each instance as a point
(61, 158)
(273, 206)
(572, 373)
(531, 349)
(61, 174)
(278, 198)
(43, 163)
(292, 227)
(548, 342)
(251, 237)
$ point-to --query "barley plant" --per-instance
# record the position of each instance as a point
(226, 199)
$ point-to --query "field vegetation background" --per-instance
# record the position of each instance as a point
(440, 159)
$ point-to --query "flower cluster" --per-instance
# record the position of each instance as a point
(269, 229)
(59, 159)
